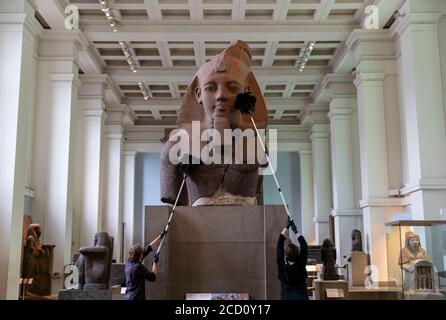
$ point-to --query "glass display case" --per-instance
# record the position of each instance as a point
(416, 258)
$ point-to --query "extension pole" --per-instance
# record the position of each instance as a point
(171, 215)
(269, 164)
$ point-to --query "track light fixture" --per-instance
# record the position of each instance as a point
(144, 90)
(129, 55)
(306, 56)
(106, 8)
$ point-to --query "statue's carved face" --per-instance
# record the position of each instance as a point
(218, 94)
(414, 243)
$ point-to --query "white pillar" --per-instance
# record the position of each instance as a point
(129, 199)
(375, 83)
(347, 215)
(114, 181)
(54, 142)
(91, 213)
(320, 134)
(424, 115)
(17, 40)
(307, 195)
(374, 168)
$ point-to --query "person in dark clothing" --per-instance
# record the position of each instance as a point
(291, 264)
(136, 273)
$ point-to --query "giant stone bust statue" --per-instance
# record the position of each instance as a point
(210, 101)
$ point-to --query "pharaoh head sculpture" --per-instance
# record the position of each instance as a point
(211, 95)
(412, 241)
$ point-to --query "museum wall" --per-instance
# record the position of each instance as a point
(289, 180)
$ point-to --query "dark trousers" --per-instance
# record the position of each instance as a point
(287, 294)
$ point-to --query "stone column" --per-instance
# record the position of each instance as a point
(320, 134)
(307, 195)
(379, 156)
(423, 118)
(17, 77)
(113, 218)
(93, 163)
(346, 212)
(55, 129)
(129, 199)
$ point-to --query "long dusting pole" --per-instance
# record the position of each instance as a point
(269, 164)
(171, 215)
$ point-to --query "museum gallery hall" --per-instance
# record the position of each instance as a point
(352, 94)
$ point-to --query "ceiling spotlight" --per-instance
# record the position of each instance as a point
(305, 56)
(106, 8)
(144, 90)
(129, 55)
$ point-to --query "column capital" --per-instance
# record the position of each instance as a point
(92, 106)
(359, 36)
(342, 107)
(305, 152)
(64, 36)
(417, 21)
(114, 131)
(315, 113)
(320, 219)
(64, 79)
(346, 212)
(334, 84)
(369, 79)
(320, 131)
(130, 154)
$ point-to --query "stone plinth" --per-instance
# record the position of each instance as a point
(216, 249)
(357, 268)
(75, 294)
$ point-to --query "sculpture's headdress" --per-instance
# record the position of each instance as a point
(409, 235)
(234, 61)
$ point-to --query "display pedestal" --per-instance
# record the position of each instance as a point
(75, 294)
(357, 268)
(215, 249)
(423, 296)
(330, 289)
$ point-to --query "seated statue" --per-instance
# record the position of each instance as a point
(328, 256)
(210, 101)
(94, 263)
(409, 256)
(356, 241)
(37, 262)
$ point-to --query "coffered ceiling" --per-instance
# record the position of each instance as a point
(170, 39)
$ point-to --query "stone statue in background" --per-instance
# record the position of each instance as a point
(37, 262)
(210, 101)
(356, 241)
(409, 256)
(328, 256)
(94, 263)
